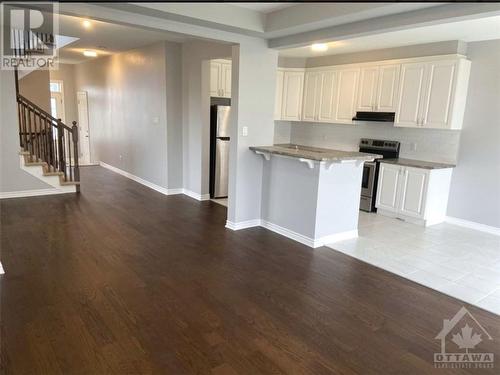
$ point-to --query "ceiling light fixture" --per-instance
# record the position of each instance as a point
(89, 53)
(87, 24)
(319, 47)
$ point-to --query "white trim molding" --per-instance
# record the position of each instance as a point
(311, 242)
(158, 188)
(32, 193)
(243, 224)
(199, 197)
(473, 225)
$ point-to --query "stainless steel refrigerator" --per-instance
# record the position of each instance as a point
(219, 150)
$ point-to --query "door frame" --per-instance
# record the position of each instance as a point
(62, 114)
(88, 160)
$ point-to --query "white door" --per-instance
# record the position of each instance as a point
(83, 127)
(312, 92)
(413, 188)
(438, 97)
(215, 78)
(226, 79)
(327, 97)
(367, 95)
(346, 95)
(278, 98)
(410, 95)
(292, 95)
(387, 90)
(57, 105)
(388, 187)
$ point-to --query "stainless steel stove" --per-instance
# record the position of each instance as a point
(388, 150)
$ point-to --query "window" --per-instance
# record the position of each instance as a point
(55, 86)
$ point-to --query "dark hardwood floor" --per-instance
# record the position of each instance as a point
(122, 279)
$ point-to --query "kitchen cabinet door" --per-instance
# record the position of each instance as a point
(327, 97)
(278, 98)
(388, 187)
(346, 95)
(438, 97)
(367, 92)
(413, 191)
(312, 92)
(387, 88)
(412, 86)
(215, 75)
(293, 85)
(226, 79)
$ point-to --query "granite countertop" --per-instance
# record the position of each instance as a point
(314, 153)
(418, 163)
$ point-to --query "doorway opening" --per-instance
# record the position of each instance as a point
(220, 125)
(57, 99)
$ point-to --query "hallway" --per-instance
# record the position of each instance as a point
(122, 279)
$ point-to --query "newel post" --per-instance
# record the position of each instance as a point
(74, 133)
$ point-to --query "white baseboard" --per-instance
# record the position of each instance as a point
(142, 181)
(473, 225)
(242, 224)
(311, 242)
(32, 193)
(199, 197)
(158, 188)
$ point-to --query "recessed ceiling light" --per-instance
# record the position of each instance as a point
(89, 53)
(87, 24)
(319, 47)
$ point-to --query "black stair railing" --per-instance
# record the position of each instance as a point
(47, 139)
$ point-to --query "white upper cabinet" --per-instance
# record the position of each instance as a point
(387, 90)
(293, 86)
(278, 99)
(378, 88)
(220, 78)
(425, 92)
(346, 95)
(312, 94)
(433, 94)
(226, 79)
(326, 112)
(215, 74)
(367, 97)
(319, 96)
(410, 94)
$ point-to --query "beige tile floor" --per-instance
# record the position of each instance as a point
(457, 261)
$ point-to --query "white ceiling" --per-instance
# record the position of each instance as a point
(467, 31)
(105, 38)
(264, 7)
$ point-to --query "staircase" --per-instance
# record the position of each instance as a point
(49, 148)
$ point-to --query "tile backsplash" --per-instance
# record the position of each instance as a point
(423, 144)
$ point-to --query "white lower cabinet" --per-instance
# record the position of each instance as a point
(416, 195)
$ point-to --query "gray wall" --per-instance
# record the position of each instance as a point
(253, 92)
(196, 110)
(66, 73)
(128, 109)
(12, 177)
(475, 187)
(35, 87)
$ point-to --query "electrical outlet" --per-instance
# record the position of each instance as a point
(244, 131)
(413, 146)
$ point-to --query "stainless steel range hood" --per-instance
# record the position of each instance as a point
(374, 116)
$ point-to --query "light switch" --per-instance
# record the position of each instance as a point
(156, 120)
(244, 131)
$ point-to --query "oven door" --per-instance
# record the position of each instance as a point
(368, 180)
